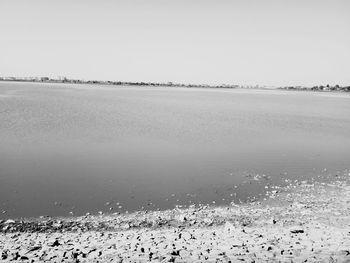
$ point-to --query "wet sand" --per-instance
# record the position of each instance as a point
(298, 223)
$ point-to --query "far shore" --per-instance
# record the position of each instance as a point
(301, 222)
(320, 88)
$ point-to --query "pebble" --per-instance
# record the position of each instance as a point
(313, 227)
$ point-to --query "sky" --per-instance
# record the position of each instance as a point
(246, 42)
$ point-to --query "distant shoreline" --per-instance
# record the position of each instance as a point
(121, 83)
(321, 88)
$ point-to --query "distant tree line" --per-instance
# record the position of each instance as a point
(167, 84)
(320, 88)
(118, 83)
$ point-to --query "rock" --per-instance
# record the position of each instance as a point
(193, 222)
(34, 249)
(57, 224)
(228, 226)
(208, 221)
(297, 231)
(9, 221)
(4, 255)
(125, 226)
(55, 243)
(175, 253)
(181, 218)
(184, 253)
(186, 236)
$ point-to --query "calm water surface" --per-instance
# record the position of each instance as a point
(81, 148)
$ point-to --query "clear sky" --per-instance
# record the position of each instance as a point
(266, 42)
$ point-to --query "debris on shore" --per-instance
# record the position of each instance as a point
(299, 223)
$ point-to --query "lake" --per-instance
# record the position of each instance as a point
(71, 149)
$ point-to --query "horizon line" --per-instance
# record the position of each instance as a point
(64, 79)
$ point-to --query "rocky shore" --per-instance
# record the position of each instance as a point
(298, 223)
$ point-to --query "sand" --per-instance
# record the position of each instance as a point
(297, 223)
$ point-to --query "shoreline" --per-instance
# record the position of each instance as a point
(297, 222)
(344, 89)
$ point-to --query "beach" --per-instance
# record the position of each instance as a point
(174, 131)
(301, 222)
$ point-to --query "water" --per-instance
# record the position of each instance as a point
(80, 148)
